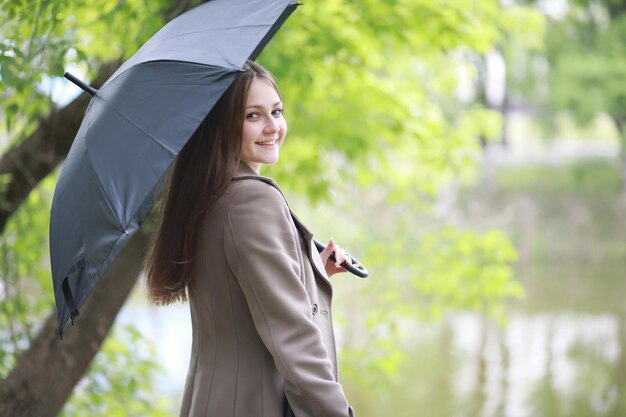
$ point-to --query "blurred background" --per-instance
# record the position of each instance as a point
(470, 153)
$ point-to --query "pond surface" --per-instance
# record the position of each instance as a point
(562, 353)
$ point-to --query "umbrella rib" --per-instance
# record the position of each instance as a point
(214, 29)
(171, 153)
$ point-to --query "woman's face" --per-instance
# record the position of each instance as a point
(264, 127)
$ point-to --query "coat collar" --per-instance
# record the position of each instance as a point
(245, 170)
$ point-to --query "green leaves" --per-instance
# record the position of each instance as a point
(463, 268)
(588, 59)
(120, 381)
(25, 286)
(39, 40)
(370, 91)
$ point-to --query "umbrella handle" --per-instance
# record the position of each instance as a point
(359, 271)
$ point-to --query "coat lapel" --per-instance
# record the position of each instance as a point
(316, 261)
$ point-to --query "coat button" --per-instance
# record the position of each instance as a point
(314, 308)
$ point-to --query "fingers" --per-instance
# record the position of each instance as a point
(341, 256)
(325, 254)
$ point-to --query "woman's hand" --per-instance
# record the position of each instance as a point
(333, 267)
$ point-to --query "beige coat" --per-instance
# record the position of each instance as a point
(261, 312)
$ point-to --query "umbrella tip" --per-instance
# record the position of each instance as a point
(85, 87)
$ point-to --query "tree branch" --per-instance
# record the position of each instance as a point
(30, 161)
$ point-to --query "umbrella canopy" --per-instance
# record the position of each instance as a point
(134, 127)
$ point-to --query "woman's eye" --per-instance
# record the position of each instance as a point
(277, 112)
(252, 116)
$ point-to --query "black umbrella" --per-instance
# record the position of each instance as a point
(134, 127)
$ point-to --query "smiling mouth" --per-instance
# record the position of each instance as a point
(267, 143)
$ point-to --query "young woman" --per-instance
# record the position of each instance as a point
(259, 291)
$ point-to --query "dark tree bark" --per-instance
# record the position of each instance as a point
(505, 110)
(616, 8)
(45, 374)
(620, 124)
(33, 159)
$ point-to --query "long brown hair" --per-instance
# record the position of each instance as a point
(198, 177)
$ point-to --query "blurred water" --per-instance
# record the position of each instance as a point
(541, 364)
(562, 353)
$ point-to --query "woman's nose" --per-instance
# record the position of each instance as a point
(272, 126)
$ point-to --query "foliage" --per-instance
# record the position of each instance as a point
(379, 91)
(119, 381)
(588, 58)
(464, 268)
(25, 285)
(40, 39)
(524, 51)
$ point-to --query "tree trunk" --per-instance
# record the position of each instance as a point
(505, 110)
(46, 373)
(620, 124)
(30, 161)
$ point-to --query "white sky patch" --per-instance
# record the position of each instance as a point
(466, 88)
(495, 84)
(61, 90)
(553, 8)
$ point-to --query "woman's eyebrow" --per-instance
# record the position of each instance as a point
(259, 106)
